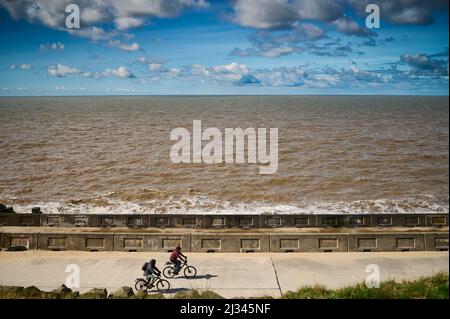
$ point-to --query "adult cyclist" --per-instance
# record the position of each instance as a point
(176, 257)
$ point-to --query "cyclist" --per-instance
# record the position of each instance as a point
(152, 272)
(176, 257)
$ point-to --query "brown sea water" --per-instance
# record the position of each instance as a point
(336, 154)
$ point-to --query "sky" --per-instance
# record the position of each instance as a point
(206, 47)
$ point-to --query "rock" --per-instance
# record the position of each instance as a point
(95, 293)
(141, 294)
(11, 292)
(32, 292)
(10, 289)
(62, 290)
(2, 207)
(122, 293)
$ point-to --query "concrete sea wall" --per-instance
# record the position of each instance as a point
(218, 241)
(225, 221)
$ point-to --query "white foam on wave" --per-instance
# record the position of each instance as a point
(206, 205)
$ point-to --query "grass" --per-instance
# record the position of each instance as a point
(195, 294)
(431, 287)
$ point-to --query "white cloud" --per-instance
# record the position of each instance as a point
(23, 66)
(403, 11)
(158, 69)
(274, 44)
(422, 64)
(121, 72)
(127, 22)
(348, 26)
(283, 14)
(155, 66)
(229, 72)
(295, 76)
(57, 46)
(124, 13)
(265, 14)
(98, 34)
(61, 70)
(93, 33)
(124, 46)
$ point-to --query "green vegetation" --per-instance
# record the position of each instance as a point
(195, 294)
(35, 293)
(432, 287)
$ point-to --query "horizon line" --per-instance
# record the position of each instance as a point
(217, 95)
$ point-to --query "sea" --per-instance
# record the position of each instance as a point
(336, 154)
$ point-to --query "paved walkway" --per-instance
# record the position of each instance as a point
(230, 275)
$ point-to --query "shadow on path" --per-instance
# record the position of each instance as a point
(207, 276)
(175, 290)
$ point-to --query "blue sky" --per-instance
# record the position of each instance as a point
(223, 47)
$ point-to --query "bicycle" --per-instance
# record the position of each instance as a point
(146, 284)
(170, 272)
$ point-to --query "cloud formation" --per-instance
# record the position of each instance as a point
(434, 67)
(124, 46)
(287, 27)
(125, 14)
(61, 70)
(121, 15)
(350, 27)
(23, 66)
(418, 12)
(283, 14)
(422, 64)
(304, 38)
(121, 72)
(56, 46)
(274, 15)
(242, 75)
(276, 44)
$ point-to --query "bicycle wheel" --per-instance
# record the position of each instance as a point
(169, 272)
(140, 284)
(163, 285)
(190, 272)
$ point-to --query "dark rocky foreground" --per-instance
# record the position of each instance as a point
(62, 292)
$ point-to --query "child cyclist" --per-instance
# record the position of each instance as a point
(152, 272)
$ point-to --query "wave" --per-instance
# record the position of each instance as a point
(199, 204)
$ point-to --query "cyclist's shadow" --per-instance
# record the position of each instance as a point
(175, 290)
(207, 277)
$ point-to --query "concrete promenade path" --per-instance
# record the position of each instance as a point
(229, 274)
